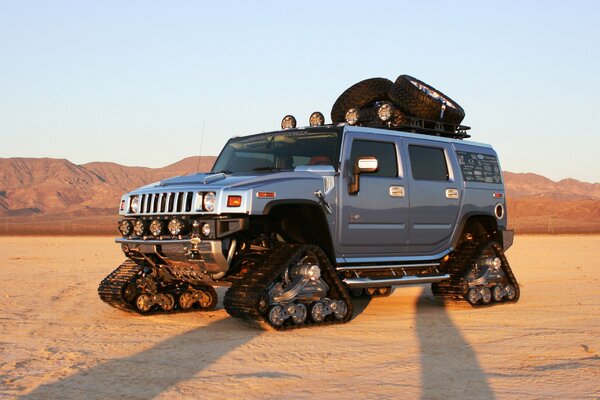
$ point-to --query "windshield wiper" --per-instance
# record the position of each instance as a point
(226, 172)
(267, 169)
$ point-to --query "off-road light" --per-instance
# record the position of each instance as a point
(316, 119)
(125, 227)
(156, 227)
(175, 226)
(209, 201)
(352, 116)
(134, 204)
(205, 229)
(139, 227)
(288, 122)
(385, 111)
(234, 201)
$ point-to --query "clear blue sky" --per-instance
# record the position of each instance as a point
(135, 82)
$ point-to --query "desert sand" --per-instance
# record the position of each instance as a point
(58, 340)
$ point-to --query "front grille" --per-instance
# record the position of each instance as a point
(166, 202)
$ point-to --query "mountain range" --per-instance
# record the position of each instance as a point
(55, 196)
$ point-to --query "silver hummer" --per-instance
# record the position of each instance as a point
(297, 221)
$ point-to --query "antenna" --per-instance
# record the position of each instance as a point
(201, 140)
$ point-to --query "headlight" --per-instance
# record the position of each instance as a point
(205, 229)
(316, 119)
(288, 122)
(385, 111)
(175, 226)
(156, 227)
(352, 116)
(209, 201)
(139, 227)
(134, 204)
(125, 228)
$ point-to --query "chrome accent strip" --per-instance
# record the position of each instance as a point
(405, 280)
(376, 226)
(408, 259)
(374, 267)
(432, 226)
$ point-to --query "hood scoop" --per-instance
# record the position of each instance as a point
(213, 178)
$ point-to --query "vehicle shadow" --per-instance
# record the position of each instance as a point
(151, 372)
(449, 365)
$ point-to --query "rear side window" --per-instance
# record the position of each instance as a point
(384, 152)
(428, 163)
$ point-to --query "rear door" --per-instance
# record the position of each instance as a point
(375, 220)
(435, 195)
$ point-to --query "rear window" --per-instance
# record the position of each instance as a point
(428, 163)
(478, 167)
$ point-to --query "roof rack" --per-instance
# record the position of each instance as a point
(435, 128)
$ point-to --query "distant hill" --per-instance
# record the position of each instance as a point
(55, 196)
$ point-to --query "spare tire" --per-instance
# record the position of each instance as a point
(418, 99)
(360, 95)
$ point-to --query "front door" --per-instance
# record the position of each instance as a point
(374, 220)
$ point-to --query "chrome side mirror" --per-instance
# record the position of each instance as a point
(362, 165)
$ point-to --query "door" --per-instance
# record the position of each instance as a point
(435, 196)
(373, 221)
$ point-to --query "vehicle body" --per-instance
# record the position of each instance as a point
(330, 209)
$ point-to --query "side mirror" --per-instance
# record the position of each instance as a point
(362, 165)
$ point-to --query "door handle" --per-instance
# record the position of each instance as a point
(452, 193)
(397, 191)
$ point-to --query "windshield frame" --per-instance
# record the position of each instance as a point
(308, 131)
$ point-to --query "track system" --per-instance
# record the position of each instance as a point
(479, 273)
(135, 288)
(291, 287)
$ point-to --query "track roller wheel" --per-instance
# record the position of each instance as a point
(473, 296)
(208, 300)
(299, 313)
(317, 312)
(511, 293)
(486, 295)
(339, 309)
(167, 301)
(144, 303)
(497, 293)
(186, 300)
(276, 316)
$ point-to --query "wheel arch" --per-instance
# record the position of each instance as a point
(478, 225)
(302, 221)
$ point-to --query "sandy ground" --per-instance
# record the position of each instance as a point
(58, 340)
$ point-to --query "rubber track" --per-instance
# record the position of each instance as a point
(111, 290)
(242, 298)
(458, 266)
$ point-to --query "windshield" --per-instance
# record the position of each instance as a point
(278, 151)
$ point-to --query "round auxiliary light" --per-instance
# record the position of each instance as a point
(156, 227)
(205, 230)
(175, 226)
(352, 116)
(209, 201)
(385, 111)
(288, 122)
(125, 227)
(316, 119)
(139, 227)
(134, 204)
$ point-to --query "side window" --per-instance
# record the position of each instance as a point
(384, 152)
(428, 163)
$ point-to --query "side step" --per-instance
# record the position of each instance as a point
(405, 280)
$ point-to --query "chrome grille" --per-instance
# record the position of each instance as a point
(166, 202)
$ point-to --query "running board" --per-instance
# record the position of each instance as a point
(405, 280)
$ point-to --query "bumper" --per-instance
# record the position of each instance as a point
(203, 255)
(507, 238)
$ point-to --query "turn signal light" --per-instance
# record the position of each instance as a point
(234, 201)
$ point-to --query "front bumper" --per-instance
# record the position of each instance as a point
(205, 256)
